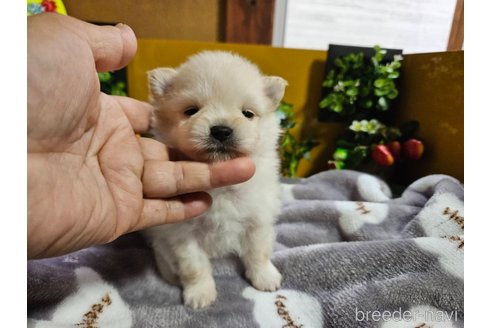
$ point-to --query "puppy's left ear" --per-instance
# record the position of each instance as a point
(159, 80)
(274, 87)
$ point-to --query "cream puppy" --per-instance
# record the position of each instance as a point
(214, 107)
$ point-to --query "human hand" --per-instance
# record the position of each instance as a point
(90, 179)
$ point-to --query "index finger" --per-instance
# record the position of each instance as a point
(163, 179)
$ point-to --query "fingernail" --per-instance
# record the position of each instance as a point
(122, 26)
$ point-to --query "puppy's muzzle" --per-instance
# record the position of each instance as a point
(221, 133)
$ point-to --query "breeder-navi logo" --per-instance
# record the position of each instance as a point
(407, 315)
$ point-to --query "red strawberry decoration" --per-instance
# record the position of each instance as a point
(49, 5)
(413, 149)
(382, 155)
(395, 149)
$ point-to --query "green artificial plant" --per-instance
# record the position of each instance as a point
(360, 89)
(110, 85)
(357, 87)
(291, 149)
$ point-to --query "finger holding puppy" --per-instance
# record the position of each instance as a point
(172, 210)
(163, 178)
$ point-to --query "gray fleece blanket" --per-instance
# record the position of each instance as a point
(351, 255)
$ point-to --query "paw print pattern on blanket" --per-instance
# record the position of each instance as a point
(443, 216)
(372, 189)
(284, 308)
(94, 304)
(355, 214)
(443, 222)
(450, 256)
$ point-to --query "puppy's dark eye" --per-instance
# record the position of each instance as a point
(190, 111)
(248, 114)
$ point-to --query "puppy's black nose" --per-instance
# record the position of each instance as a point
(220, 132)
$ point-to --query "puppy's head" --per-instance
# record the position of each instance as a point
(216, 106)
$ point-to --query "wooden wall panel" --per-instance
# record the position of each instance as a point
(249, 21)
(457, 34)
(201, 20)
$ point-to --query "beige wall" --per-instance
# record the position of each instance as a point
(201, 20)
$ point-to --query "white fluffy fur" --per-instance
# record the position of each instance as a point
(221, 85)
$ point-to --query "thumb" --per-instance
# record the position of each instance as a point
(112, 46)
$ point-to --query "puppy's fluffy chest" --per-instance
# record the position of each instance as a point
(235, 210)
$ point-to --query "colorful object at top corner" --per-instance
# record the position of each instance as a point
(35, 7)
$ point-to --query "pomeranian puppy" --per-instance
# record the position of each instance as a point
(214, 107)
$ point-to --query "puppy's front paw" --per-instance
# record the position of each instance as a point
(200, 295)
(266, 278)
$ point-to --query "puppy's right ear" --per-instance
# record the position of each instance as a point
(274, 87)
(159, 80)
